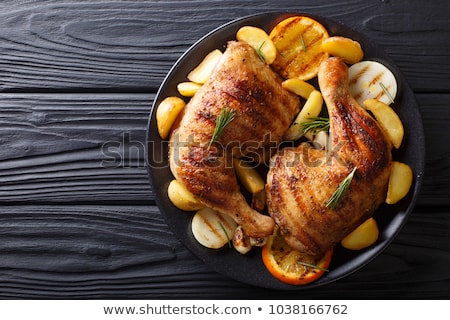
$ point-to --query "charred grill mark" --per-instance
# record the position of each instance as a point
(240, 130)
(373, 144)
(251, 101)
(362, 133)
(380, 94)
(375, 79)
(201, 185)
(275, 191)
(342, 124)
(305, 198)
(358, 75)
(247, 91)
(313, 61)
(289, 25)
(316, 39)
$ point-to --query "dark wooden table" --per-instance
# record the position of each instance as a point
(77, 213)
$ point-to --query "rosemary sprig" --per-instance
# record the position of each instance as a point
(303, 42)
(306, 264)
(260, 54)
(386, 91)
(341, 189)
(226, 233)
(315, 125)
(225, 117)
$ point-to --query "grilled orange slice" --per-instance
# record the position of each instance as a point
(299, 44)
(289, 265)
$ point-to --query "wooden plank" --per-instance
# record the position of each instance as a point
(113, 252)
(66, 148)
(94, 247)
(435, 113)
(130, 46)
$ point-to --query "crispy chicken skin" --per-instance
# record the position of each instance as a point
(263, 112)
(301, 180)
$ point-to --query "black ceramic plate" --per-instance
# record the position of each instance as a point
(249, 268)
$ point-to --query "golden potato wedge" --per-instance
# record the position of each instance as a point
(248, 176)
(201, 73)
(188, 88)
(388, 120)
(400, 182)
(182, 198)
(212, 229)
(299, 45)
(363, 236)
(260, 41)
(299, 87)
(166, 114)
(345, 48)
(311, 109)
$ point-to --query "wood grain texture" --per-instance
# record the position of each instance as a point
(77, 259)
(80, 45)
(77, 213)
(73, 147)
(436, 118)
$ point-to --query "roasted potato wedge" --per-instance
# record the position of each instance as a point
(166, 114)
(299, 87)
(388, 120)
(182, 198)
(299, 45)
(311, 109)
(212, 229)
(248, 176)
(345, 48)
(188, 88)
(260, 41)
(363, 236)
(201, 73)
(400, 182)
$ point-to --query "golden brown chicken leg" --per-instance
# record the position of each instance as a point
(301, 180)
(263, 111)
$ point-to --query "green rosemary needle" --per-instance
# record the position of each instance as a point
(315, 125)
(386, 92)
(226, 233)
(303, 42)
(312, 266)
(225, 117)
(260, 54)
(341, 189)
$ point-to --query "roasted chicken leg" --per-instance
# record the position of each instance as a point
(263, 111)
(301, 180)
